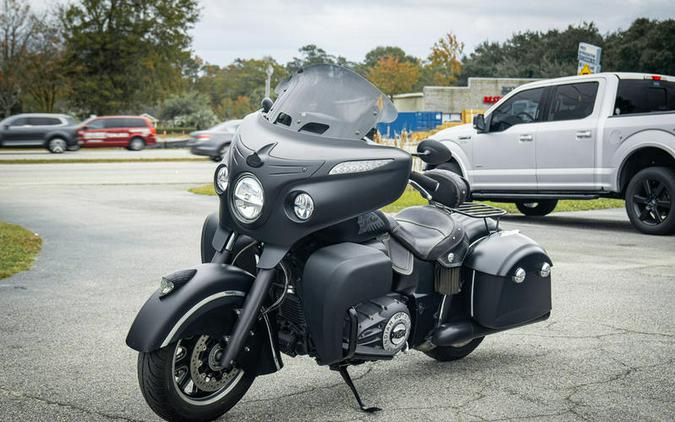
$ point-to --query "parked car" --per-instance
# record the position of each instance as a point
(214, 142)
(56, 132)
(131, 132)
(583, 137)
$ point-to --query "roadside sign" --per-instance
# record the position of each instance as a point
(589, 59)
(587, 69)
(589, 53)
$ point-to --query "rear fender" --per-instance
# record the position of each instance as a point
(206, 304)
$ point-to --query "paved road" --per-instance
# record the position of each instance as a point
(606, 353)
(92, 153)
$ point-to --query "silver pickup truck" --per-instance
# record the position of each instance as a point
(582, 137)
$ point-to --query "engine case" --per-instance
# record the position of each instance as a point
(384, 325)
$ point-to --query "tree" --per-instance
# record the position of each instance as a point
(45, 61)
(646, 46)
(189, 109)
(237, 89)
(311, 54)
(16, 28)
(378, 53)
(444, 60)
(531, 54)
(393, 76)
(125, 53)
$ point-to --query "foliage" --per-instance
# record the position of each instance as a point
(189, 109)
(18, 249)
(532, 54)
(378, 53)
(444, 60)
(124, 53)
(311, 54)
(16, 29)
(646, 46)
(393, 76)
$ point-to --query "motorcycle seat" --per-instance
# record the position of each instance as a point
(426, 231)
(430, 232)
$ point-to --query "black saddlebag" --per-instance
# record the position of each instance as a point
(509, 280)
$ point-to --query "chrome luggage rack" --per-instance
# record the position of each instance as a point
(478, 210)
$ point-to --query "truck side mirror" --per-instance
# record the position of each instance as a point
(479, 123)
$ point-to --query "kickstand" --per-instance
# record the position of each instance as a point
(350, 383)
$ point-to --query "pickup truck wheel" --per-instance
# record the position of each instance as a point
(537, 209)
(650, 200)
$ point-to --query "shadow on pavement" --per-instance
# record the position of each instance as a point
(587, 223)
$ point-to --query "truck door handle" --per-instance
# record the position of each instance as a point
(526, 138)
(584, 134)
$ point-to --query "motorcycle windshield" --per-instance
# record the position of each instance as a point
(330, 101)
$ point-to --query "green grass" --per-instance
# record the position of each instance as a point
(18, 248)
(99, 160)
(203, 190)
(410, 198)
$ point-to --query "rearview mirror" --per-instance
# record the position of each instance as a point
(479, 123)
(433, 152)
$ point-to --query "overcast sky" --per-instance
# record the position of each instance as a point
(255, 28)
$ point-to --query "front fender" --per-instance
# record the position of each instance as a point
(203, 305)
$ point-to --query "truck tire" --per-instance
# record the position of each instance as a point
(650, 200)
(537, 208)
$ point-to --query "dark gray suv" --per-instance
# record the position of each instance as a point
(56, 132)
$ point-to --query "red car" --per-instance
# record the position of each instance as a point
(131, 132)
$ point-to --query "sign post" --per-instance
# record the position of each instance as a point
(589, 59)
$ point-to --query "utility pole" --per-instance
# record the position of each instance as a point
(268, 81)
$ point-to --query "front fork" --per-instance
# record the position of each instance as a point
(251, 308)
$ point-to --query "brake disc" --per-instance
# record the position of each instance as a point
(202, 363)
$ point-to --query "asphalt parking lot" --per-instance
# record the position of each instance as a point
(111, 230)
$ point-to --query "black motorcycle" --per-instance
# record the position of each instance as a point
(299, 260)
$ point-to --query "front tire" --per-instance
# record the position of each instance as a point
(179, 383)
(650, 200)
(537, 209)
(450, 353)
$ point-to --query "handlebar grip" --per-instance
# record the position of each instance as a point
(426, 182)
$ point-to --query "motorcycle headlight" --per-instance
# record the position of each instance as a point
(221, 179)
(248, 198)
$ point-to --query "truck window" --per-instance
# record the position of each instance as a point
(644, 96)
(523, 107)
(573, 101)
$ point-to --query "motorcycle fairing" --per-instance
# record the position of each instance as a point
(205, 305)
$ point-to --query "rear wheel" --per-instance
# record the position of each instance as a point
(136, 144)
(57, 145)
(538, 208)
(450, 353)
(183, 381)
(650, 200)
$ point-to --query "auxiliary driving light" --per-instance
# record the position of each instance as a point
(519, 276)
(545, 270)
(303, 206)
(222, 178)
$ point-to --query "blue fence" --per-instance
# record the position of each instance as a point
(411, 121)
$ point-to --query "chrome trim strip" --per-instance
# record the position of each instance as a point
(269, 335)
(473, 278)
(194, 309)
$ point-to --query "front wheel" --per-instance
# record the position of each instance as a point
(136, 144)
(456, 352)
(57, 145)
(182, 382)
(538, 208)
